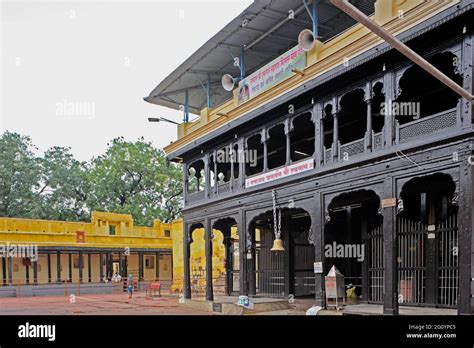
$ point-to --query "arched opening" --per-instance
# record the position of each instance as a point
(422, 95)
(378, 98)
(254, 151)
(282, 273)
(226, 255)
(302, 137)
(354, 243)
(427, 233)
(276, 146)
(328, 123)
(352, 117)
(196, 177)
(197, 260)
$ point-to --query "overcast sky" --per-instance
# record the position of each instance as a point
(74, 73)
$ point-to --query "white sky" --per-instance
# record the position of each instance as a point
(106, 55)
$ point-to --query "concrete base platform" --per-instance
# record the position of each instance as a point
(374, 309)
(228, 305)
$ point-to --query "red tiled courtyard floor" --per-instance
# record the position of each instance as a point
(113, 304)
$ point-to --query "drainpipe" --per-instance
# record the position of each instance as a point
(360, 17)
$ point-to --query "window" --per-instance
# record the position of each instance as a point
(149, 262)
(112, 230)
(276, 146)
(302, 137)
(167, 233)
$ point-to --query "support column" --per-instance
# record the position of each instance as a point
(318, 134)
(466, 242)
(207, 176)
(101, 267)
(185, 183)
(49, 267)
(70, 266)
(125, 266)
(389, 120)
(317, 224)
(467, 113)
(242, 253)
(35, 272)
(10, 271)
(390, 301)
(4, 271)
(58, 266)
(186, 260)
(27, 273)
(208, 235)
(157, 266)
(241, 143)
(368, 132)
(140, 266)
(89, 267)
(216, 179)
(120, 272)
(231, 179)
(264, 141)
(288, 129)
(289, 258)
(80, 266)
(228, 264)
(335, 131)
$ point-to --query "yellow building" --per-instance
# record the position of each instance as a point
(48, 252)
(42, 251)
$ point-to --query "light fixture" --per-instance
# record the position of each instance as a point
(160, 119)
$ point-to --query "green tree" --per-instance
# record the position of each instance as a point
(64, 186)
(134, 178)
(19, 177)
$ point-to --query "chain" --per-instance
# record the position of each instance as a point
(276, 227)
(274, 212)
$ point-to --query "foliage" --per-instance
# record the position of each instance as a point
(130, 177)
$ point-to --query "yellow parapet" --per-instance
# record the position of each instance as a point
(106, 230)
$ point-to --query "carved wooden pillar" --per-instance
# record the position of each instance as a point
(317, 118)
(288, 129)
(186, 260)
(207, 172)
(390, 301)
(208, 235)
(368, 133)
(389, 120)
(264, 140)
(185, 182)
(335, 134)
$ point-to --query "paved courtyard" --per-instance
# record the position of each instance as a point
(110, 304)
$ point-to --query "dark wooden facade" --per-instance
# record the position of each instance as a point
(383, 159)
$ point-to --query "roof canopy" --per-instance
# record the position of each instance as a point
(263, 31)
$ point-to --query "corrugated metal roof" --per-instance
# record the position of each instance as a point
(214, 56)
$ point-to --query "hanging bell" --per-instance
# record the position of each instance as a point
(277, 245)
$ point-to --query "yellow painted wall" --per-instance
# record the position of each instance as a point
(60, 233)
(197, 257)
(45, 233)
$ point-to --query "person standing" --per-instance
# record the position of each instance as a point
(130, 286)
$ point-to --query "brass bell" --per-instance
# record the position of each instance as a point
(277, 245)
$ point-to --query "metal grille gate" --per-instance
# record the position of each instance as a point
(376, 264)
(414, 239)
(269, 267)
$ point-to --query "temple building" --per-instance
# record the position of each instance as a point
(317, 143)
(44, 252)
